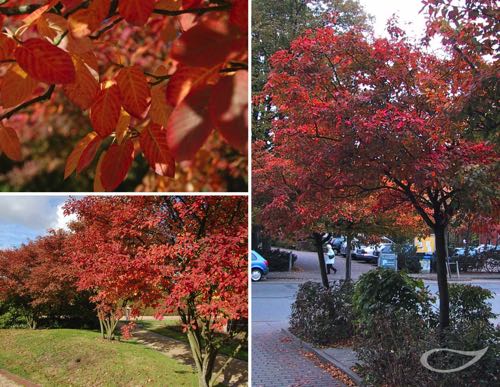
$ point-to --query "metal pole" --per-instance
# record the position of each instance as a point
(290, 261)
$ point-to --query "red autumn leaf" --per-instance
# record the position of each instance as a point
(189, 125)
(9, 143)
(88, 153)
(229, 108)
(7, 47)
(17, 87)
(207, 44)
(187, 79)
(115, 164)
(74, 157)
(134, 90)
(45, 62)
(105, 111)
(84, 89)
(160, 110)
(153, 142)
(239, 14)
(83, 22)
(136, 12)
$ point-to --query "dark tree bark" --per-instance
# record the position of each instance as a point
(318, 242)
(444, 298)
(348, 259)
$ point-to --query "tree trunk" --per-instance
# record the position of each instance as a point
(444, 299)
(195, 344)
(348, 259)
(318, 242)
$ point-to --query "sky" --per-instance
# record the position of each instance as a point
(407, 10)
(25, 217)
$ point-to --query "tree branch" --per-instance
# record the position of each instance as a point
(40, 98)
(20, 10)
(197, 11)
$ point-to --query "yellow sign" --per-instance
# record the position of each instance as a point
(426, 245)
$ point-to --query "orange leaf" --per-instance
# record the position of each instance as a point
(115, 164)
(153, 142)
(74, 157)
(83, 22)
(88, 154)
(189, 125)
(83, 90)
(122, 126)
(51, 25)
(98, 172)
(160, 109)
(45, 62)
(134, 90)
(33, 16)
(7, 47)
(105, 111)
(169, 5)
(17, 87)
(136, 12)
(229, 109)
(9, 143)
(187, 79)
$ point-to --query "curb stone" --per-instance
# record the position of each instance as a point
(327, 358)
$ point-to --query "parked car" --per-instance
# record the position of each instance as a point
(370, 253)
(482, 248)
(460, 252)
(337, 243)
(260, 266)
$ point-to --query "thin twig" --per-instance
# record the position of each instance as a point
(40, 98)
(107, 28)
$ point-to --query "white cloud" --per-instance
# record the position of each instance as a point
(63, 220)
(34, 212)
(37, 213)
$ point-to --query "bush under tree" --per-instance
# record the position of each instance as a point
(322, 315)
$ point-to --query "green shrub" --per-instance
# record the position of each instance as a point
(389, 352)
(279, 260)
(11, 317)
(381, 289)
(323, 316)
(396, 327)
(468, 305)
(407, 260)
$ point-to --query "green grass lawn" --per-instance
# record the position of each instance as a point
(171, 328)
(63, 357)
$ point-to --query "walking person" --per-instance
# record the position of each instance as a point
(330, 259)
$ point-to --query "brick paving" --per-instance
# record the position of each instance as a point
(279, 361)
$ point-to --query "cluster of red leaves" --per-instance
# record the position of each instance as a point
(361, 116)
(183, 255)
(39, 272)
(197, 82)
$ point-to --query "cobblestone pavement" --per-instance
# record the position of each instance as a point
(279, 361)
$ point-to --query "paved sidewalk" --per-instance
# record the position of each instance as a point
(307, 269)
(236, 374)
(278, 360)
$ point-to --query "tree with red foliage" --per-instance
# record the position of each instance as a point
(184, 255)
(39, 279)
(155, 77)
(109, 247)
(362, 115)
